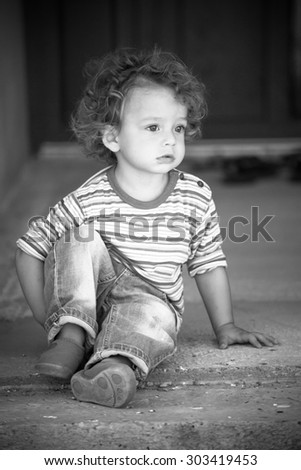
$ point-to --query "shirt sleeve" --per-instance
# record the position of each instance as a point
(206, 244)
(43, 232)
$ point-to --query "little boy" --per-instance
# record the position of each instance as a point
(103, 272)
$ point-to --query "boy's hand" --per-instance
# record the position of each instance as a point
(230, 334)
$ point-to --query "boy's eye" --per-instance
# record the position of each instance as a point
(180, 129)
(153, 128)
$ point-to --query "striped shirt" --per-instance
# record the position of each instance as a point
(155, 239)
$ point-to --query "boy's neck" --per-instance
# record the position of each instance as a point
(143, 187)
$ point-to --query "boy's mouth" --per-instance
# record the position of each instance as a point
(166, 159)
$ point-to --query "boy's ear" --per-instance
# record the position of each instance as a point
(110, 139)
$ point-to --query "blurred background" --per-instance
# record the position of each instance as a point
(247, 52)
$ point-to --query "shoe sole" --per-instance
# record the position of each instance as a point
(113, 386)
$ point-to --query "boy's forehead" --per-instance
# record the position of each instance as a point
(150, 99)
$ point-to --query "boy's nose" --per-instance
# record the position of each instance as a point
(169, 139)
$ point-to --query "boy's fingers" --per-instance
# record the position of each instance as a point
(254, 341)
(257, 340)
(266, 340)
(272, 340)
(223, 342)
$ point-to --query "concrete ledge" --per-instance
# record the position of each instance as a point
(262, 148)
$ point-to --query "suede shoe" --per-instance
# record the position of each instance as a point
(61, 360)
(111, 382)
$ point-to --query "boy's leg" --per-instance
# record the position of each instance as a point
(140, 327)
(77, 270)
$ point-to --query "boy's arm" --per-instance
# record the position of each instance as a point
(215, 291)
(30, 272)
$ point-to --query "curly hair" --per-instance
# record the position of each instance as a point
(113, 76)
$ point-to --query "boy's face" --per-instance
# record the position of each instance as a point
(152, 134)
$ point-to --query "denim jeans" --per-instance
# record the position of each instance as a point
(121, 312)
